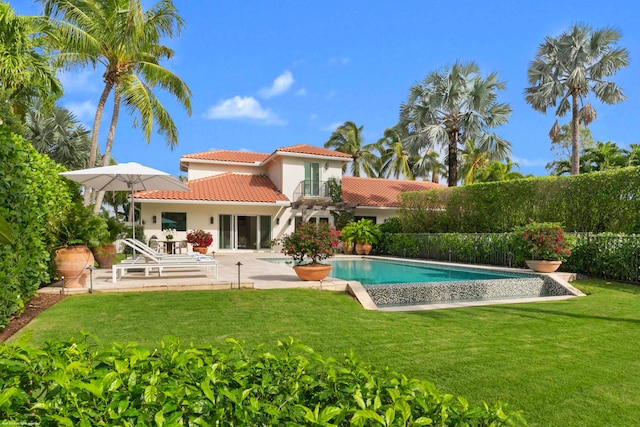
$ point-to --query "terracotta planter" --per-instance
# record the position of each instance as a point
(542, 266)
(105, 255)
(71, 263)
(314, 272)
(347, 247)
(201, 249)
(363, 248)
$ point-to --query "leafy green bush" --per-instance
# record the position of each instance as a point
(75, 384)
(606, 201)
(33, 197)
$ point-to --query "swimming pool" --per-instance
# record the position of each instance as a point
(392, 282)
(380, 271)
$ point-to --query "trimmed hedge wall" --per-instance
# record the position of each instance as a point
(33, 196)
(597, 202)
(74, 384)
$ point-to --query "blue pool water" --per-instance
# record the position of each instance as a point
(380, 272)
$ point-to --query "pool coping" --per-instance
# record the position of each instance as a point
(358, 290)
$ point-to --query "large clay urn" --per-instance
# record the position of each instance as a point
(71, 263)
(363, 248)
(105, 255)
(201, 249)
(312, 272)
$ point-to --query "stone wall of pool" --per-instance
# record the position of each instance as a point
(475, 290)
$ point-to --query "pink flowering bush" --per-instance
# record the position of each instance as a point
(200, 238)
(316, 242)
(545, 241)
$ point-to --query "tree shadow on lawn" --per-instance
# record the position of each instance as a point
(542, 311)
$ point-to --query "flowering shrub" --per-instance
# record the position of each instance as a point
(315, 241)
(545, 241)
(169, 233)
(200, 238)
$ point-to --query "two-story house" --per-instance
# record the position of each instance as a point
(247, 199)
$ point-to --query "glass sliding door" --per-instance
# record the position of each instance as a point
(245, 232)
(265, 232)
(312, 179)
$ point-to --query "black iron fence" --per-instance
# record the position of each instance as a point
(605, 255)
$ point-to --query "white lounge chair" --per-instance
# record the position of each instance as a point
(149, 260)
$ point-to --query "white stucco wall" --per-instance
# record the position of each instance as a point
(201, 170)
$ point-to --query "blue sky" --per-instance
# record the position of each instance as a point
(266, 74)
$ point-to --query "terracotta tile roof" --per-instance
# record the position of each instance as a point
(226, 187)
(379, 192)
(310, 149)
(228, 156)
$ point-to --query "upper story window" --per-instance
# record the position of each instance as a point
(312, 179)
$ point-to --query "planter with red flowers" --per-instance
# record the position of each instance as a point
(309, 245)
(200, 240)
(546, 245)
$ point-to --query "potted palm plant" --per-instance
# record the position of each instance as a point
(105, 252)
(309, 245)
(544, 244)
(366, 234)
(78, 230)
(200, 240)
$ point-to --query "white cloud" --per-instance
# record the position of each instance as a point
(333, 126)
(301, 92)
(84, 111)
(280, 85)
(240, 107)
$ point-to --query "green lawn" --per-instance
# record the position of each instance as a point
(565, 363)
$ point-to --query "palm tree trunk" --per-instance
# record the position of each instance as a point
(94, 151)
(575, 131)
(106, 161)
(452, 180)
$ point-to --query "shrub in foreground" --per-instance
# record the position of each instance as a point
(78, 384)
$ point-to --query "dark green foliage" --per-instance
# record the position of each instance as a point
(33, 198)
(598, 202)
(606, 255)
(391, 225)
(80, 226)
(75, 384)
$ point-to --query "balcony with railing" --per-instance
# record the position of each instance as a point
(311, 192)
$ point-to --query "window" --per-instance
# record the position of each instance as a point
(174, 220)
(312, 179)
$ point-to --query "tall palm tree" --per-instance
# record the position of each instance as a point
(395, 155)
(451, 106)
(126, 40)
(24, 70)
(604, 156)
(473, 160)
(59, 134)
(347, 138)
(570, 67)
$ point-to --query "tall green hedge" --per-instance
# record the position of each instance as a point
(596, 202)
(33, 196)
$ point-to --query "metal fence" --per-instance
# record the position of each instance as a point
(608, 256)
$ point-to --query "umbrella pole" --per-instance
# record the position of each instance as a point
(132, 213)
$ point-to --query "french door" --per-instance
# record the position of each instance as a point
(245, 231)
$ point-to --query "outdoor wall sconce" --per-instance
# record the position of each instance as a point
(210, 220)
(154, 219)
(277, 221)
(326, 166)
(289, 222)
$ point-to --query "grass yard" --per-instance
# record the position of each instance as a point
(565, 363)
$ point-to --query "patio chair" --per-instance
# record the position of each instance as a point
(148, 261)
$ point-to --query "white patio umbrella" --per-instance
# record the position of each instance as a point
(130, 177)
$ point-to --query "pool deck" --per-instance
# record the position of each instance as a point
(255, 273)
